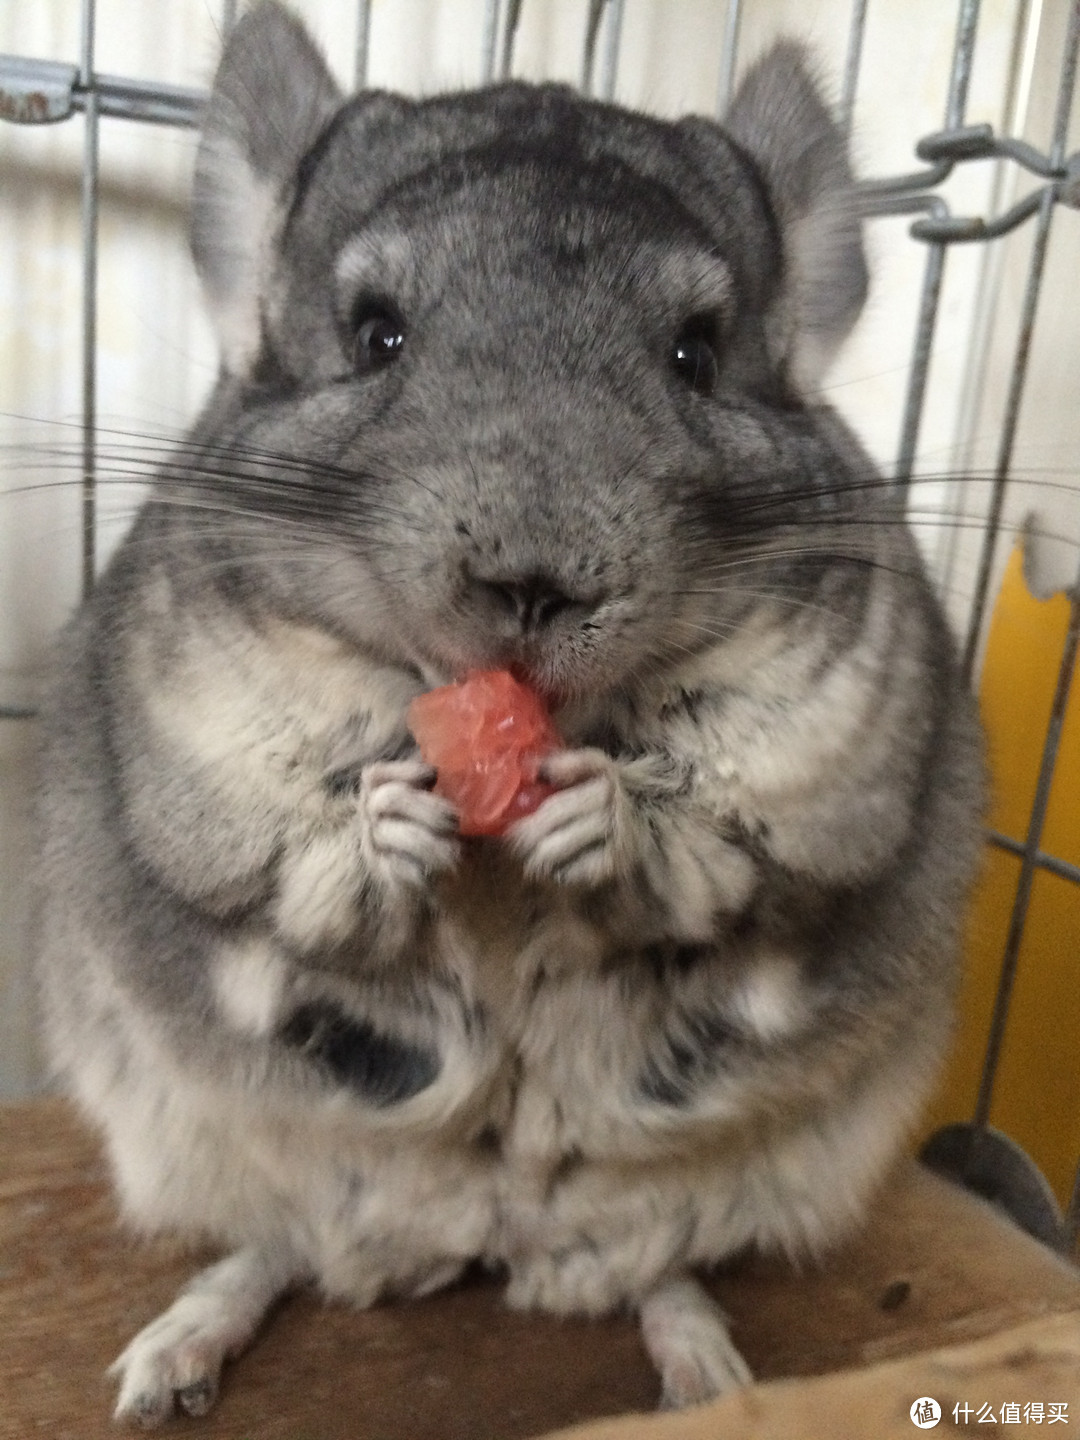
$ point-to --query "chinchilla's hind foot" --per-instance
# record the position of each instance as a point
(687, 1338)
(174, 1363)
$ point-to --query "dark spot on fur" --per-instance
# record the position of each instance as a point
(571, 251)
(654, 956)
(660, 1088)
(712, 1032)
(343, 782)
(381, 1069)
(474, 1018)
(489, 1141)
(687, 1059)
(894, 1295)
(402, 747)
(667, 957)
(566, 1166)
(604, 736)
(514, 1083)
(753, 839)
(684, 702)
(745, 925)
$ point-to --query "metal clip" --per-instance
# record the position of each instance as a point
(978, 142)
(36, 92)
(40, 92)
(947, 148)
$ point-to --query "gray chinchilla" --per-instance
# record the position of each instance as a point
(510, 379)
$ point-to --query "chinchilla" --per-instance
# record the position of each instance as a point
(510, 379)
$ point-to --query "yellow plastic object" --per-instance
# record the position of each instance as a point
(1036, 1098)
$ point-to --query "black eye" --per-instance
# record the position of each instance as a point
(693, 355)
(378, 335)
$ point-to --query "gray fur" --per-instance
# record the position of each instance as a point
(695, 1000)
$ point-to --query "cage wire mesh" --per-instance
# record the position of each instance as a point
(634, 50)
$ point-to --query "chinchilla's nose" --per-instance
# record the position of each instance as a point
(531, 601)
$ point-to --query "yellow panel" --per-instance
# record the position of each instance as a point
(1016, 691)
(984, 941)
(1037, 1090)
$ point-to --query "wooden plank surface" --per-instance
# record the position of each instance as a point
(932, 1267)
(993, 1378)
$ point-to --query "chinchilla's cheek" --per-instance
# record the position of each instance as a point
(518, 393)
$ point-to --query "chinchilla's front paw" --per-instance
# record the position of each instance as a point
(408, 834)
(394, 839)
(581, 834)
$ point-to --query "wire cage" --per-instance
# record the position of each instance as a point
(996, 229)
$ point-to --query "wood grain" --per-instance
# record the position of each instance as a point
(933, 1267)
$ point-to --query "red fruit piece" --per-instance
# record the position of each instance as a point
(485, 736)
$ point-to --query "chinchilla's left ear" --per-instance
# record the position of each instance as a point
(272, 97)
(778, 116)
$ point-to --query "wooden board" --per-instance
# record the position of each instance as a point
(987, 1379)
(932, 1267)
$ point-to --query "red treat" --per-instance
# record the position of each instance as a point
(485, 737)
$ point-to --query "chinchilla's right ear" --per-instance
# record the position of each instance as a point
(780, 118)
(272, 97)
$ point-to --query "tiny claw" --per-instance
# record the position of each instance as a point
(198, 1398)
(149, 1411)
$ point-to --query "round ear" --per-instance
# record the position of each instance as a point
(778, 116)
(272, 97)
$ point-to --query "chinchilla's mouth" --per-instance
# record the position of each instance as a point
(559, 667)
(552, 694)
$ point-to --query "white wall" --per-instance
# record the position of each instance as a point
(156, 356)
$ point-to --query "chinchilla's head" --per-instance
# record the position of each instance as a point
(510, 376)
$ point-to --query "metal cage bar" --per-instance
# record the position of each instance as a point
(729, 52)
(1022, 901)
(598, 10)
(609, 68)
(1058, 142)
(852, 62)
(959, 81)
(88, 358)
(362, 55)
(489, 40)
(497, 42)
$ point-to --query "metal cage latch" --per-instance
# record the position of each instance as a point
(42, 92)
(946, 149)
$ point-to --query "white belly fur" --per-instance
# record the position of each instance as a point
(588, 1198)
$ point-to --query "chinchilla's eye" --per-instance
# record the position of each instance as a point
(378, 335)
(693, 354)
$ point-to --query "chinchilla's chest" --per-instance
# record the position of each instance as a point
(279, 705)
(490, 1003)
